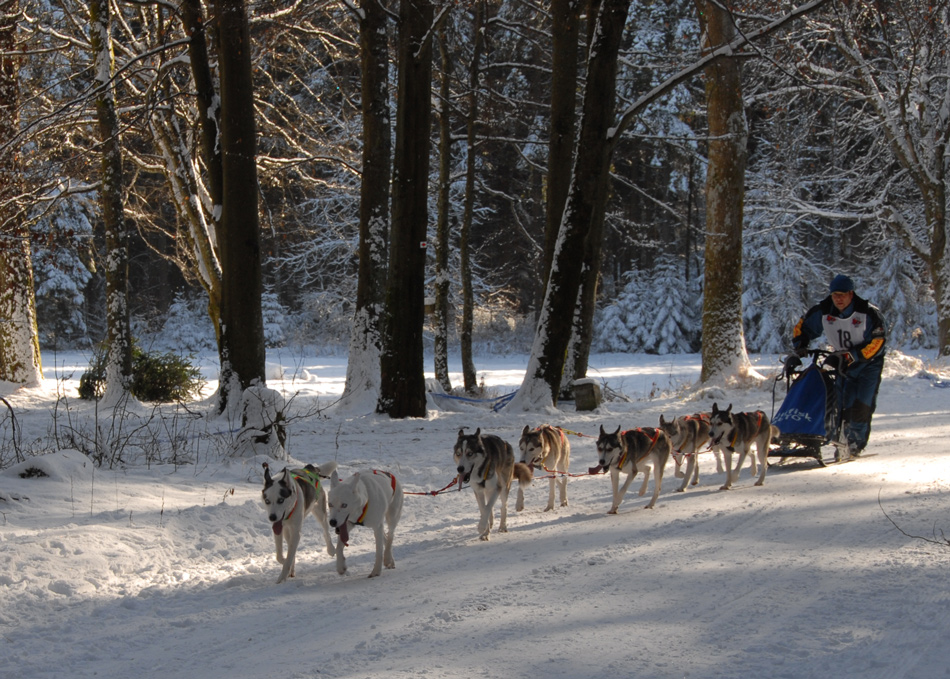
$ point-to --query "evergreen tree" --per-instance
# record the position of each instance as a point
(673, 312)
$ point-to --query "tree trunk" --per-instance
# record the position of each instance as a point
(242, 328)
(442, 245)
(588, 190)
(469, 378)
(402, 388)
(564, 68)
(724, 352)
(582, 334)
(363, 365)
(115, 225)
(565, 31)
(20, 360)
(202, 221)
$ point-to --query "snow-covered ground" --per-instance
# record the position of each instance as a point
(156, 569)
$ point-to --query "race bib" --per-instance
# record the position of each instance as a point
(844, 333)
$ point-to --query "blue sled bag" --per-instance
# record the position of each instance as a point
(810, 407)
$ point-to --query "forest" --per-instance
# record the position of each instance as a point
(402, 180)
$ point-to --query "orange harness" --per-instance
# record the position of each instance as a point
(732, 444)
(623, 458)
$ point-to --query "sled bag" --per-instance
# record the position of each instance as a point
(809, 407)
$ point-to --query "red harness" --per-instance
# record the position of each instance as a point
(392, 480)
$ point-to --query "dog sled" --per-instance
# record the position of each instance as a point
(809, 418)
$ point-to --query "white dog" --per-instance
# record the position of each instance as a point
(288, 497)
(366, 499)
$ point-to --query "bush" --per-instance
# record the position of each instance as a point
(156, 376)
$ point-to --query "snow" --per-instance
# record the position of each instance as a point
(161, 570)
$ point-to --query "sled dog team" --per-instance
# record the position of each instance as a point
(487, 463)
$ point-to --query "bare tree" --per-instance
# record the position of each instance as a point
(724, 352)
(111, 203)
(565, 31)
(587, 194)
(468, 215)
(443, 231)
(363, 365)
(889, 67)
(20, 360)
(242, 329)
(402, 388)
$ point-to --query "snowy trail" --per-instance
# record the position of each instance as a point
(166, 573)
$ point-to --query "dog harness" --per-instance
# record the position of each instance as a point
(735, 436)
(392, 481)
(307, 476)
(623, 458)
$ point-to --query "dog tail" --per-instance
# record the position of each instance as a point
(327, 469)
(523, 474)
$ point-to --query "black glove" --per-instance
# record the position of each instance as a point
(792, 361)
(839, 360)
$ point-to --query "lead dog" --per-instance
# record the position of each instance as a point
(288, 497)
(488, 462)
(688, 434)
(366, 499)
(630, 452)
(733, 432)
(546, 447)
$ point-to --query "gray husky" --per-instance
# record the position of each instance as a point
(288, 496)
(688, 434)
(488, 463)
(632, 451)
(733, 432)
(546, 447)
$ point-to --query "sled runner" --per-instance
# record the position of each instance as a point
(810, 416)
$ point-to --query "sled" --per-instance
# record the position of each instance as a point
(810, 417)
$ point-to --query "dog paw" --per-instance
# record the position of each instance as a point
(679, 475)
(727, 487)
(759, 483)
(612, 510)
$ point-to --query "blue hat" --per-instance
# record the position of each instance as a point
(841, 283)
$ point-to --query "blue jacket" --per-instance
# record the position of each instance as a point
(858, 330)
